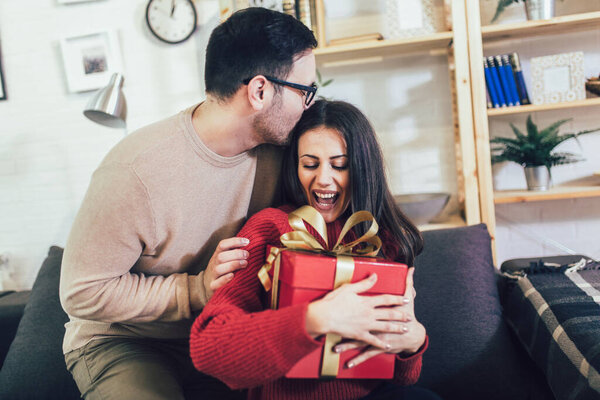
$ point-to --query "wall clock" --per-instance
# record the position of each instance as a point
(171, 21)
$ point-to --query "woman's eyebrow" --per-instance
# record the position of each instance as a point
(309, 155)
(340, 156)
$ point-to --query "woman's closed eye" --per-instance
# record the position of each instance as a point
(310, 166)
(341, 167)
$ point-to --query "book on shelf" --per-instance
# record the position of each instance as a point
(519, 79)
(504, 85)
(504, 81)
(490, 85)
(495, 78)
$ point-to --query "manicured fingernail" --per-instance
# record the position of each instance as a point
(406, 300)
(408, 319)
(245, 241)
(350, 364)
(246, 254)
(388, 346)
(404, 329)
(337, 349)
(373, 277)
(243, 262)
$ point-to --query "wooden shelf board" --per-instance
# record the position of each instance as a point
(454, 221)
(530, 108)
(555, 193)
(563, 24)
(381, 48)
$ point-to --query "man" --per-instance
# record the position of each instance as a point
(154, 236)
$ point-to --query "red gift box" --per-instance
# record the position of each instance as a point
(305, 277)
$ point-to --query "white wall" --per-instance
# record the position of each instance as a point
(48, 150)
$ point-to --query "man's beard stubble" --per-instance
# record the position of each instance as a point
(270, 126)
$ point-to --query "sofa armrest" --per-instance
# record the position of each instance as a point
(12, 305)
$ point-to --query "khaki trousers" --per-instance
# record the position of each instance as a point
(145, 369)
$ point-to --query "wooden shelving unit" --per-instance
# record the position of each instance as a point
(437, 43)
(555, 193)
(531, 108)
(557, 25)
(454, 221)
(383, 48)
(480, 36)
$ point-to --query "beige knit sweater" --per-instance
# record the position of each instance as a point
(154, 211)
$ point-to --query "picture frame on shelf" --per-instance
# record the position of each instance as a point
(558, 78)
(409, 18)
(90, 59)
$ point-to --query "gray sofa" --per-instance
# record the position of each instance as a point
(472, 353)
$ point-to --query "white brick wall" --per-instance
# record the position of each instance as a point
(48, 150)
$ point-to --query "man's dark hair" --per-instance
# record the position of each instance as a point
(253, 41)
(368, 184)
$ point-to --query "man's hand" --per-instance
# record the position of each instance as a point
(228, 257)
(408, 341)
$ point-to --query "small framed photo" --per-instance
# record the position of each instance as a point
(558, 78)
(408, 18)
(90, 60)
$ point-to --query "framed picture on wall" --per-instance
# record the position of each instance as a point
(558, 78)
(2, 87)
(90, 60)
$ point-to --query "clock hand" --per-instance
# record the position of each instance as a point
(172, 7)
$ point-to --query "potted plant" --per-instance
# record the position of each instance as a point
(535, 151)
(535, 9)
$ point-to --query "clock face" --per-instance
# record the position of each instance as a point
(171, 21)
(271, 4)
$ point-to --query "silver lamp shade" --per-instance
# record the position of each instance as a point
(108, 106)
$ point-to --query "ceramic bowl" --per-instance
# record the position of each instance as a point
(421, 208)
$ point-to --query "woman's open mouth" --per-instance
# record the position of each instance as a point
(325, 199)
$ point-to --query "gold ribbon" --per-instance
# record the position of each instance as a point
(301, 239)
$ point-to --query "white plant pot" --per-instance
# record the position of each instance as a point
(539, 9)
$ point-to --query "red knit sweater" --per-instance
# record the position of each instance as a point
(238, 340)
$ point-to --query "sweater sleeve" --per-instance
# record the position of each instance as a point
(235, 339)
(408, 369)
(115, 227)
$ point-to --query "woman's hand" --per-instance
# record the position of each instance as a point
(346, 313)
(408, 341)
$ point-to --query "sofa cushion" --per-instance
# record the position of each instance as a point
(34, 367)
(471, 353)
(12, 305)
(557, 318)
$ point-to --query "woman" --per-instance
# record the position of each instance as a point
(335, 165)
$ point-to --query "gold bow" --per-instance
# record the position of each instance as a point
(301, 239)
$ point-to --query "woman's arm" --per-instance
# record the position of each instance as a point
(235, 339)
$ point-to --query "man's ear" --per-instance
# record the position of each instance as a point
(259, 92)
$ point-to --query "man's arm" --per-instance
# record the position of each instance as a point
(113, 229)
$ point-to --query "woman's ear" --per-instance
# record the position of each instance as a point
(259, 92)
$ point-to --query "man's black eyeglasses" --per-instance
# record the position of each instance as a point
(308, 91)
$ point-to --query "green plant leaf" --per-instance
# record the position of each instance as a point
(326, 83)
(532, 130)
(502, 4)
(535, 148)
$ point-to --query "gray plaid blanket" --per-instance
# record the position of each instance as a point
(556, 316)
